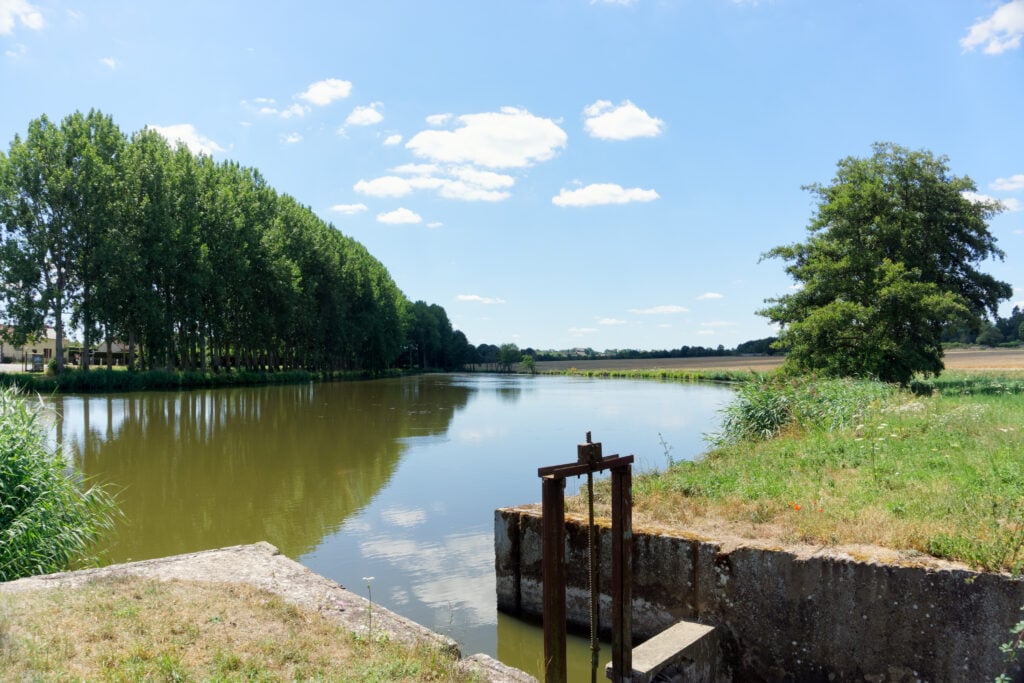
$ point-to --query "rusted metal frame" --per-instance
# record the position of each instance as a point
(622, 574)
(575, 469)
(553, 558)
(553, 563)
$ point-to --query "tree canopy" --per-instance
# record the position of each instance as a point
(195, 263)
(891, 261)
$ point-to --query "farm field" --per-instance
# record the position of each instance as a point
(959, 359)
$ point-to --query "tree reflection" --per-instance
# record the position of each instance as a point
(286, 464)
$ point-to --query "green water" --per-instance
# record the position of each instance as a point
(392, 479)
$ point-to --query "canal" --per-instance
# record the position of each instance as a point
(387, 486)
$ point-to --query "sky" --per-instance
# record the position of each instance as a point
(554, 173)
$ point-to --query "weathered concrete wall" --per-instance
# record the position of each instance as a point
(784, 615)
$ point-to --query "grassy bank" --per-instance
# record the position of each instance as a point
(667, 374)
(104, 381)
(847, 462)
(129, 629)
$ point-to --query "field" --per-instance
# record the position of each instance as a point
(959, 359)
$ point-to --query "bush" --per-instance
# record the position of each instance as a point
(767, 406)
(46, 519)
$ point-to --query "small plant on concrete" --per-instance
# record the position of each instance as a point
(1012, 649)
(369, 606)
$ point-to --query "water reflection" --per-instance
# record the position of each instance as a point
(287, 464)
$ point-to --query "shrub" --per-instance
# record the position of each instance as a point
(767, 406)
(47, 520)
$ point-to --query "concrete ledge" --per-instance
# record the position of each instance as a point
(686, 643)
(263, 566)
(794, 613)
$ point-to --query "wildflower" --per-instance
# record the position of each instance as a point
(797, 506)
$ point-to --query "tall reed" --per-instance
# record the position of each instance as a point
(48, 518)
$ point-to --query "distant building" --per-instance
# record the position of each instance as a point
(45, 346)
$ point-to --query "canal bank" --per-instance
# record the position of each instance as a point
(261, 565)
(784, 613)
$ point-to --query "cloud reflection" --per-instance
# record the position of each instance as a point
(457, 574)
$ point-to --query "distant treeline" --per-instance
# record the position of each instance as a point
(486, 353)
(191, 263)
(1004, 331)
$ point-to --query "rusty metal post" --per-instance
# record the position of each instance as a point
(622, 573)
(553, 552)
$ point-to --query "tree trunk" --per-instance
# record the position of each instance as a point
(131, 349)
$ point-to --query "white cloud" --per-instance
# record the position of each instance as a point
(459, 183)
(365, 116)
(706, 332)
(718, 323)
(434, 225)
(479, 299)
(602, 193)
(386, 186)
(484, 179)
(108, 62)
(627, 121)
(439, 119)
(1010, 205)
(399, 217)
(326, 91)
(709, 295)
(659, 310)
(581, 331)
(291, 138)
(467, 192)
(267, 107)
(418, 169)
(1000, 32)
(610, 321)
(349, 209)
(186, 134)
(1011, 184)
(623, 3)
(13, 11)
(392, 140)
(510, 138)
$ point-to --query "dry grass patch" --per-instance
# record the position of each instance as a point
(129, 628)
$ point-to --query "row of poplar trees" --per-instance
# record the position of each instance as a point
(193, 264)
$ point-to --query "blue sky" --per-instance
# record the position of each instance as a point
(572, 173)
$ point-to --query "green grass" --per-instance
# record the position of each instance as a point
(842, 461)
(659, 374)
(134, 629)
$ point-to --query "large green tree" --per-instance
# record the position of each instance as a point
(892, 258)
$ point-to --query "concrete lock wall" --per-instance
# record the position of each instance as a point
(782, 614)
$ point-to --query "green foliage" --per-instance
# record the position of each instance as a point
(508, 355)
(528, 364)
(1012, 649)
(47, 519)
(194, 264)
(889, 264)
(768, 406)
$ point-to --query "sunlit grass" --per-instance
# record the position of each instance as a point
(129, 629)
(860, 462)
